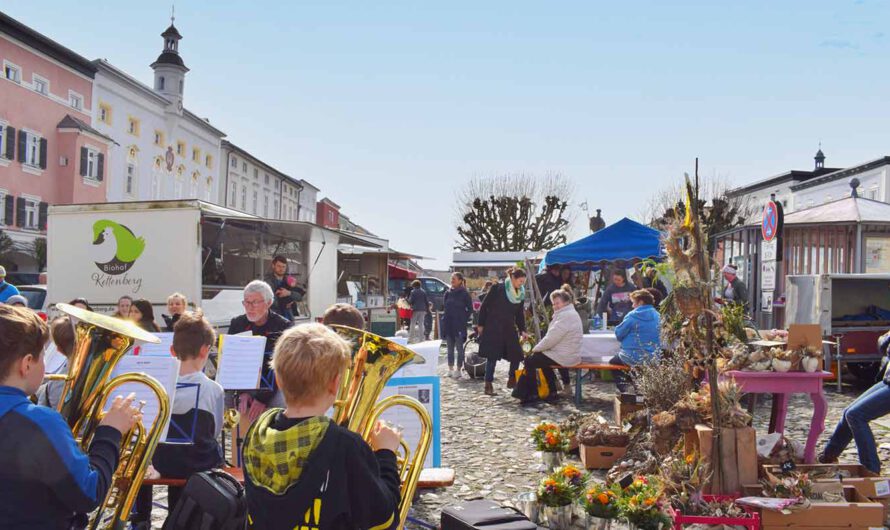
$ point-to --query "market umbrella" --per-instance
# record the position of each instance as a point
(625, 240)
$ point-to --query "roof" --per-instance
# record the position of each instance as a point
(625, 240)
(169, 58)
(70, 122)
(352, 250)
(492, 259)
(229, 145)
(788, 176)
(847, 210)
(330, 202)
(45, 45)
(171, 32)
(843, 173)
(306, 183)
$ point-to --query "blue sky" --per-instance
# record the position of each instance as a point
(390, 106)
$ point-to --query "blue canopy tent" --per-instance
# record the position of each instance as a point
(625, 241)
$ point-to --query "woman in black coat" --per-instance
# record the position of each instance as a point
(501, 315)
(458, 308)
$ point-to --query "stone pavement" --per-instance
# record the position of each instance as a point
(485, 439)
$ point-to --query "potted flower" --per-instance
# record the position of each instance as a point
(642, 506)
(784, 360)
(811, 357)
(601, 504)
(551, 442)
(556, 497)
(573, 477)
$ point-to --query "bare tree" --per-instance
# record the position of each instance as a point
(513, 213)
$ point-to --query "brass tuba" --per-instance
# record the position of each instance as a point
(374, 361)
(99, 343)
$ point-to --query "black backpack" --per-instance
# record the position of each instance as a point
(211, 500)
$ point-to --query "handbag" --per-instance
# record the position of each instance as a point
(543, 390)
(211, 500)
(484, 514)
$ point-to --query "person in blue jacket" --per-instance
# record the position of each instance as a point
(458, 308)
(639, 334)
(46, 481)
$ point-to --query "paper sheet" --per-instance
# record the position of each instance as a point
(240, 361)
(428, 395)
(162, 349)
(429, 350)
(164, 369)
(52, 359)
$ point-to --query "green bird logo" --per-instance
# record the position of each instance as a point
(115, 247)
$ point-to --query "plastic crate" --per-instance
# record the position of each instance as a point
(752, 523)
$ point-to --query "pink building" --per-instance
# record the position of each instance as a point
(49, 152)
(327, 214)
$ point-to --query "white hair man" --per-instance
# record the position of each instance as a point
(260, 320)
(736, 291)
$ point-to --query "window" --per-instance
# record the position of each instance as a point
(31, 214)
(92, 164)
(193, 186)
(255, 201)
(133, 126)
(234, 162)
(267, 179)
(208, 189)
(256, 174)
(244, 167)
(3, 220)
(2, 142)
(180, 148)
(12, 72)
(159, 138)
(161, 83)
(244, 198)
(233, 201)
(41, 85)
(275, 208)
(266, 206)
(76, 100)
(131, 178)
(196, 154)
(105, 113)
(208, 161)
(155, 186)
(32, 150)
(181, 85)
(871, 194)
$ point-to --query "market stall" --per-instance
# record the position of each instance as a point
(624, 243)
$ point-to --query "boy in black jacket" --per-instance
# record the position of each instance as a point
(301, 470)
(46, 481)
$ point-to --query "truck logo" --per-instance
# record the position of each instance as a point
(115, 247)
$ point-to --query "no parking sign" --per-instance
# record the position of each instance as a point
(769, 227)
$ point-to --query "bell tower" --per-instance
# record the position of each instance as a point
(170, 70)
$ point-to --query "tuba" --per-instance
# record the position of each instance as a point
(374, 361)
(99, 343)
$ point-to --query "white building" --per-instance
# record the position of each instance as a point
(308, 202)
(250, 185)
(164, 151)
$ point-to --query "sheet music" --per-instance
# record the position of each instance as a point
(164, 369)
(240, 361)
(162, 349)
(53, 359)
(407, 418)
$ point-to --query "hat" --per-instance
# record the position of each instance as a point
(2, 271)
(17, 299)
(730, 269)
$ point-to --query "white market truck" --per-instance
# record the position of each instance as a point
(207, 252)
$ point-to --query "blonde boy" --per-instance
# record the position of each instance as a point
(303, 470)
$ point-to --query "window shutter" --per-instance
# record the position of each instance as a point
(10, 143)
(42, 212)
(9, 210)
(83, 161)
(43, 144)
(20, 212)
(100, 173)
(23, 145)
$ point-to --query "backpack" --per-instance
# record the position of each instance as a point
(211, 500)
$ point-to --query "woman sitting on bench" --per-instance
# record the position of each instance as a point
(560, 346)
(639, 334)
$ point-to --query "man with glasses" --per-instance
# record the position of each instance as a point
(260, 320)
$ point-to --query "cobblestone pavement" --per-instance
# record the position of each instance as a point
(485, 439)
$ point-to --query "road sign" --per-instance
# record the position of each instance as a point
(769, 227)
(767, 275)
(769, 250)
(766, 301)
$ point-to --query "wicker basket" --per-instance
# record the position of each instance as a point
(689, 301)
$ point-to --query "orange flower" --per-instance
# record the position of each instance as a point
(549, 482)
(649, 502)
(690, 459)
(603, 498)
(551, 438)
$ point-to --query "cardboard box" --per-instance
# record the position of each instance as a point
(857, 513)
(623, 410)
(738, 453)
(600, 457)
(870, 485)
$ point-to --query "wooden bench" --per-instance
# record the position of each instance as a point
(431, 478)
(589, 366)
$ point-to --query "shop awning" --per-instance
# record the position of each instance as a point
(625, 241)
(401, 273)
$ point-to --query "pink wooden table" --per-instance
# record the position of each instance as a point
(781, 385)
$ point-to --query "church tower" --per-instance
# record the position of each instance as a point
(170, 70)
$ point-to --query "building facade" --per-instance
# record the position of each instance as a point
(250, 185)
(327, 214)
(308, 202)
(49, 151)
(163, 151)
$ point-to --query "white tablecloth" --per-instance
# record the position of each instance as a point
(598, 347)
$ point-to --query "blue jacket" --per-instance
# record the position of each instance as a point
(639, 334)
(419, 300)
(6, 290)
(45, 479)
(458, 308)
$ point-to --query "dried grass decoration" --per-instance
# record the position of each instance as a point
(596, 432)
(733, 415)
(662, 382)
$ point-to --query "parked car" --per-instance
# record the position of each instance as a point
(434, 287)
(36, 295)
